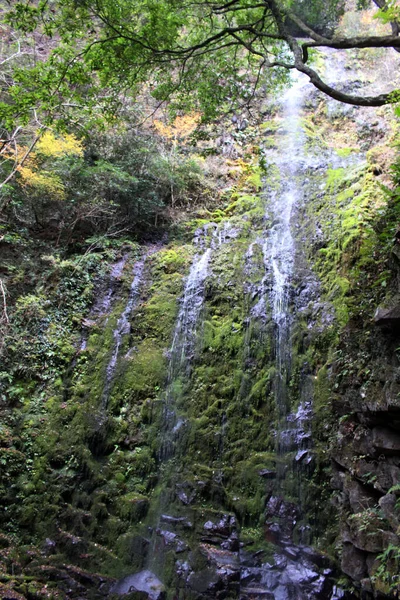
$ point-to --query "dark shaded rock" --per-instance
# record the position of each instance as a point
(386, 440)
(388, 317)
(359, 497)
(337, 479)
(321, 560)
(391, 513)
(145, 581)
(365, 532)
(381, 475)
(273, 532)
(7, 593)
(354, 562)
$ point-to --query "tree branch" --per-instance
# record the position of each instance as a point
(315, 79)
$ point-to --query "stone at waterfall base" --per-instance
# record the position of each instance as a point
(144, 581)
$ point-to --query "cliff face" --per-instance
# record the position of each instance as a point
(216, 415)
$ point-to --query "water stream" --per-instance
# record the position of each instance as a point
(296, 572)
(122, 328)
(293, 575)
(184, 343)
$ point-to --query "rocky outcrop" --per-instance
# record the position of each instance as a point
(145, 582)
(366, 471)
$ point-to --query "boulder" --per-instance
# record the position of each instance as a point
(359, 497)
(388, 316)
(388, 506)
(354, 562)
(144, 581)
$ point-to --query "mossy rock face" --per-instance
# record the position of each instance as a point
(87, 468)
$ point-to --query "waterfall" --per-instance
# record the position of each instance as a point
(184, 343)
(123, 326)
(192, 538)
(279, 251)
(292, 575)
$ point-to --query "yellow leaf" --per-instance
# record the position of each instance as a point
(42, 182)
(181, 128)
(49, 145)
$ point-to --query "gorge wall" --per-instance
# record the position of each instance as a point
(217, 414)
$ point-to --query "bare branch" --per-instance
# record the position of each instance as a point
(18, 165)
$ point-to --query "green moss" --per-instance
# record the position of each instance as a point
(344, 152)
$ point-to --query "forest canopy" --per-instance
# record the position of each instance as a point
(72, 64)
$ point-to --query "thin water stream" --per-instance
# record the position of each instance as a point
(122, 328)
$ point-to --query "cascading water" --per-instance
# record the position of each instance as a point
(184, 342)
(122, 328)
(175, 535)
(279, 251)
(292, 576)
(172, 423)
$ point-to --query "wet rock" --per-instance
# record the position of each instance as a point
(381, 475)
(202, 581)
(267, 474)
(232, 543)
(280, 561)
(172, 539)
(303, 456)
(291, 552)
(250, 575)
(337, 593)
(186, 496)
(145, 581)
(177, 521)
(250, 593)
(224, 527)
(281, 517)
(49, 547)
